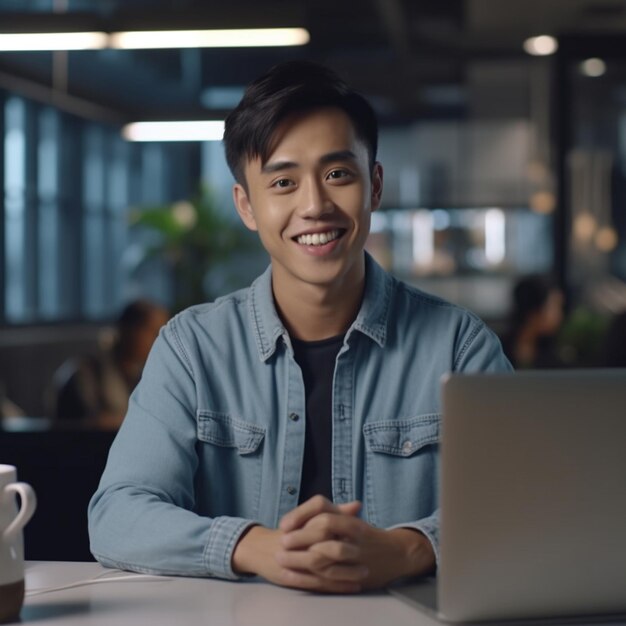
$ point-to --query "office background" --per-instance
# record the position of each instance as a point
(499, 161)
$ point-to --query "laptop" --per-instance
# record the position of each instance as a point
(532, 498)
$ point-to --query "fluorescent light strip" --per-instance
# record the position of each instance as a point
(423, 238)
(23, 42)
(174, 131)
(495, 236)
(234, 38)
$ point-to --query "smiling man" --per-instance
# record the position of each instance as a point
(290, 430)
(311, 204)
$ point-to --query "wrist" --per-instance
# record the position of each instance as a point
(248, 551)
(418, 554)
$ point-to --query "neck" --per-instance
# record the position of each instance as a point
(314, 312)
(526, 345)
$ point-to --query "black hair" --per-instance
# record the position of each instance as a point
(135, 314)
(133, 317)
(529, 295)
(291, 87)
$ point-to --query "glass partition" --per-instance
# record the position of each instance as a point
(471, 256)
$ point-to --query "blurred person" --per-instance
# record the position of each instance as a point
(97, 387)
(536, 318)
(7, 407)
(615, 342)
(290, 430)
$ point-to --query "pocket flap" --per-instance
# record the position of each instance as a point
(402, 437)
(222, 430)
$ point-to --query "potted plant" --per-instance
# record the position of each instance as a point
(192, 237)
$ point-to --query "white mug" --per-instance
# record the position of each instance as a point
(12, 520)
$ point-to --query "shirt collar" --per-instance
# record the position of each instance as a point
(373, 315)
(267, 326)
(371, 319)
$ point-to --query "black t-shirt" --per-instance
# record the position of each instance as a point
(317, 362)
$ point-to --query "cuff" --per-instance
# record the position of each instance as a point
(218, 554)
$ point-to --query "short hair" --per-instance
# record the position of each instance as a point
(135, 315)
(291, 87)
(530, 294)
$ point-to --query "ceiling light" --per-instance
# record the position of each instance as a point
(543, 202)
(606, 239)
(593, 67)
(585, 227)
(174, 131)
(234, 38)
(542, 45)
(22, 42)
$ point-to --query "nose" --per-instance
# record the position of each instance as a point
(314, 201)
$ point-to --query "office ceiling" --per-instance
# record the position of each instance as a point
(413, 58)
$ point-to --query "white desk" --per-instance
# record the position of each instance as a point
(197, 601)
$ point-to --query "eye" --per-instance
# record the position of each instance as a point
(282, 183)
(338, 174)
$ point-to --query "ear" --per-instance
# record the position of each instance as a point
(243, 206)
(377, 186)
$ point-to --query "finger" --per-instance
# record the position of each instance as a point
(311, 582)
(313, 507)
(323, 527)
(338, 551)
(333, 549)
(309, 562)
(350, 508)
(306, 511)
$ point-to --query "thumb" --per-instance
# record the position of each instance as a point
(350, 508)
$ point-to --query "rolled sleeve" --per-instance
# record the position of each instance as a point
(224, 536)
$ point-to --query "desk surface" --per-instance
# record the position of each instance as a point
(157, 601)
(187, 601)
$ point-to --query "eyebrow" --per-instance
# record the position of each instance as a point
(339, 155)
(270, 168)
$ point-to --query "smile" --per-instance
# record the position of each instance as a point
(318, 239)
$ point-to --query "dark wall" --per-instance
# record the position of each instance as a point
(64, 469)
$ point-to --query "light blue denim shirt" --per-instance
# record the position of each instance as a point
(214, 436)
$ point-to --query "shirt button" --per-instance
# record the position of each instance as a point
(294, 417)
(407, 447)
(291, 490)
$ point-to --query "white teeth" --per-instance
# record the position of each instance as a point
(317, 239)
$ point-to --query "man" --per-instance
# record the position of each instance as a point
(290, 430)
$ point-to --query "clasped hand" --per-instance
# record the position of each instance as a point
(321, 546)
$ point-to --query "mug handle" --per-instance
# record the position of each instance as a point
(27, 508)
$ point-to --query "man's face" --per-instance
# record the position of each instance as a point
(311, 201)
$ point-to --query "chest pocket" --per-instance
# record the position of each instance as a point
(401, 469)
(231, 458)
(222, 430)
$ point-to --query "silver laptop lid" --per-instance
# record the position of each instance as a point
(533, 495)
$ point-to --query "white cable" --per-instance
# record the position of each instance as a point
(100, 578)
